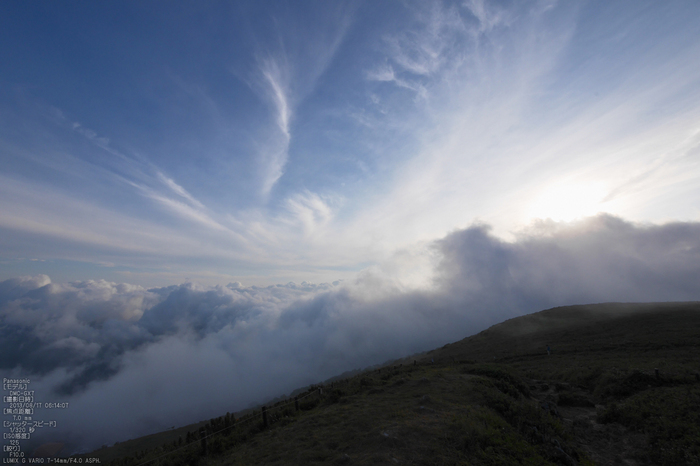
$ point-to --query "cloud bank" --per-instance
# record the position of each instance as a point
(132, 360)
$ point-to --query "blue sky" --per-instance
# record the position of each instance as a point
(263, 142)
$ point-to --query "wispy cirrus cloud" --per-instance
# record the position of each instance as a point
(387, 74)
(504, 106)
(179, 190)
(285, 75)
(148, 180)
(327, 152)
(491, 15)
(418, 54)
(190, 209)
(276, 78)
(311, 211)
(276, 89)
(427, 47)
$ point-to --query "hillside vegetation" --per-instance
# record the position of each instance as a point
(621, 386)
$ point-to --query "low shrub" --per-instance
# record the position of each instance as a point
(509, 382)
(670, 416)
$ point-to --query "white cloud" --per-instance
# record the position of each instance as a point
(186, 211)
(428, 46)
(383, 73)
(274, 152)
(286, 76)
(179, 190)
(509, 105)
(76, 228)
(488, 14)
(122, 352)
(277, 81)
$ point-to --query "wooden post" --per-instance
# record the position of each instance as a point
(656, 372)
(264, 414)
(415, 362)
(203, 437)
(231, 424)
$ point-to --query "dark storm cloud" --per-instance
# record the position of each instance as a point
(133, 360)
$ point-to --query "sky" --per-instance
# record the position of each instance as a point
(310, 187)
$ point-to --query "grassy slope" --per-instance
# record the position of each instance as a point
(481, 401)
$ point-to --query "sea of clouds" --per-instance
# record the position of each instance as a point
(132, 361)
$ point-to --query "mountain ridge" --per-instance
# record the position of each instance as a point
(603, 358)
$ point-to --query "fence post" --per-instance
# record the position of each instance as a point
(296, 403)
(656, 373)
(264, 414)
(203, 436)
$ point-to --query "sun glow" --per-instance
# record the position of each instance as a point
(567, 201)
